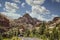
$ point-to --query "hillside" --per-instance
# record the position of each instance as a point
(26, 22)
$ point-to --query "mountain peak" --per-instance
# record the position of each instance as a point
(26, 15)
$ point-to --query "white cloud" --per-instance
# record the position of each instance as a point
(10, 7)
(36, 6)
(54, 15)
(38, 16)
(10, 10)
(27, 11)
(57, 0)
(17, 1)
(35, 2)
(0, 5)
(43, 17)
(38, 11)
(11, 15)
(23, 4)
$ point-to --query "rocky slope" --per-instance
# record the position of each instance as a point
(4, 23)
(23, 22)
(26, 21)
(54, 22)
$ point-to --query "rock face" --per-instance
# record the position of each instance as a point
(4, 21)
(55, 21)
(27, 21)
(56, 18)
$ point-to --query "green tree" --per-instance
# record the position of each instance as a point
(46, 33)
(42, 29)
(35, 33)
(27, 33)
(54, 35)
(58, 26)
(1, 38)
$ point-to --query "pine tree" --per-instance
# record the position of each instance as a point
(1, 38)
(42, 29)
(34, 32)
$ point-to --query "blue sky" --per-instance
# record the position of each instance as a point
(40, 9)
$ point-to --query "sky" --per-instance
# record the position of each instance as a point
(44, 10)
